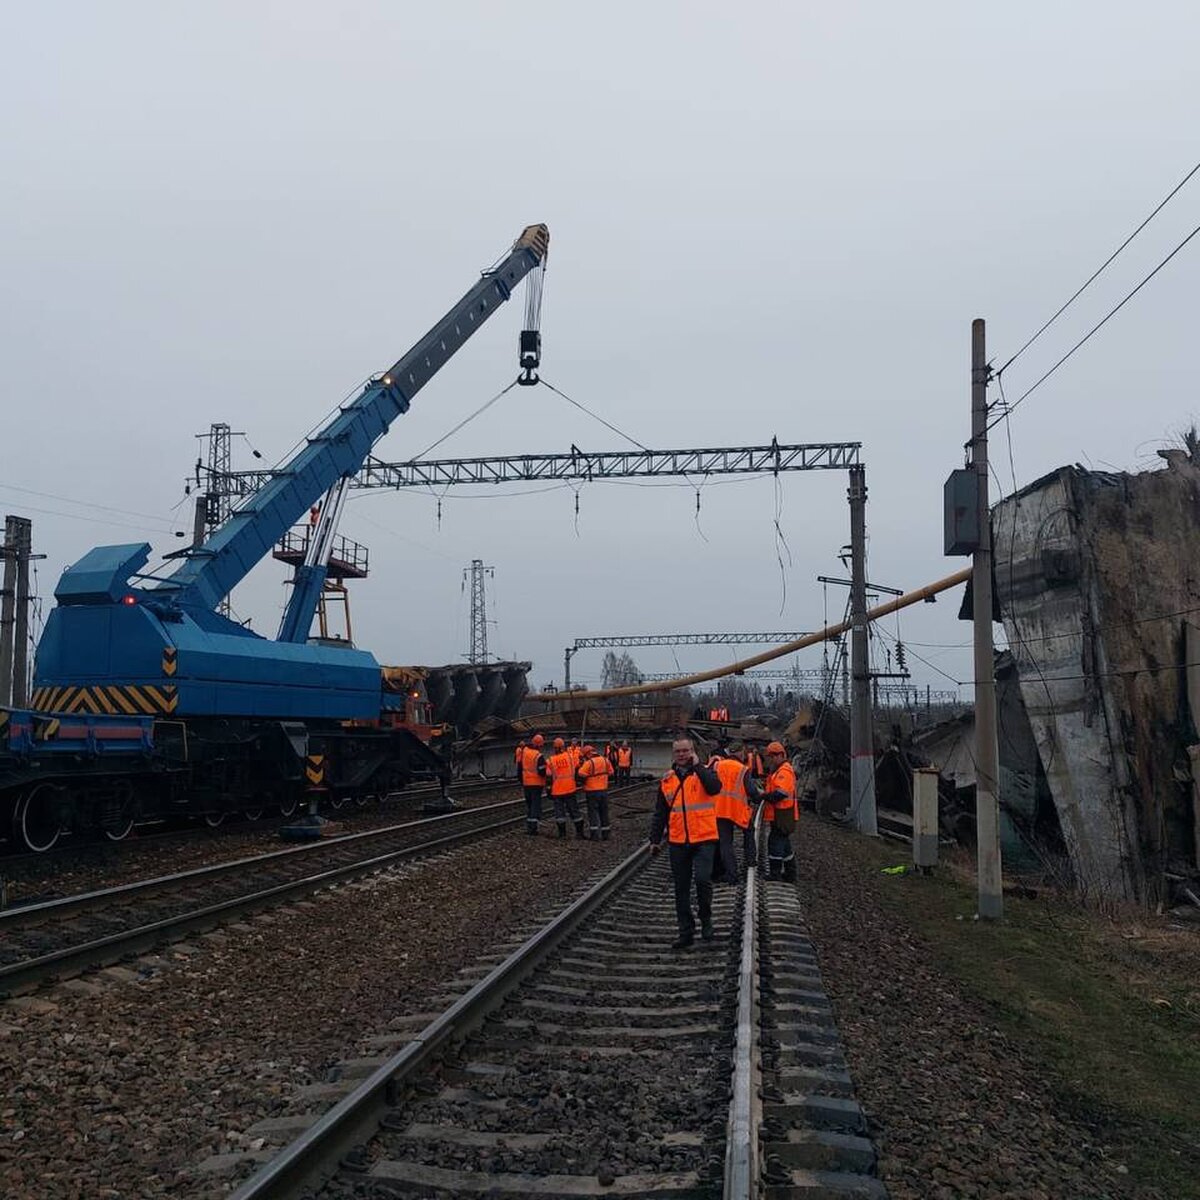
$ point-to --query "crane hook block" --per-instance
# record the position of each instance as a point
(529, 357)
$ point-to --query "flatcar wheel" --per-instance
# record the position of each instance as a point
(363, 799)
(253, 814)
(338, 801)
(120, 832)
(287, 806)
(36, 824)
(214, 820)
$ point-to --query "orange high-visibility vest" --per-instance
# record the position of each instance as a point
(691, 811)
(732, 804)
(782, 779)
(624, 756)
(754, 764)
(576, 753)
(562, 773)
(595, 772)
(529, 771)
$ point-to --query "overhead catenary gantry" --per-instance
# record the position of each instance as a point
(671, 639)
(585, 466)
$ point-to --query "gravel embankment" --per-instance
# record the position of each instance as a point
(119, 1089)
(957, 1108)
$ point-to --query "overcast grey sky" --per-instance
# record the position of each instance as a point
(766, 219)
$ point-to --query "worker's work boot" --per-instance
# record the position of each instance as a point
(531, 828)
(706, 931)
(682, 942)
(789, 871)
(580, 832)
(775, 869)
(604, 834)
(562, 829)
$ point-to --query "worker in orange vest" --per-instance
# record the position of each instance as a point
(735, 808)
(560, 767)
(685, 808)
(624, 762)
(781, 812)
(594, 772)
(754, 762)
(517, 756)
(533, 781)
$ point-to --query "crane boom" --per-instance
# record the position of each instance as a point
(122, 642)
(214, 568)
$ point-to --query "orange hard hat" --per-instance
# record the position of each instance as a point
(559, 743)
(589, 749)
(775, 748)
(538, 740)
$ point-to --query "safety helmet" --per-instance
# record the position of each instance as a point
(559, 743)
(775, 748)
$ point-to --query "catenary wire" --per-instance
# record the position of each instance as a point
(1099, 270)
(1112, 312)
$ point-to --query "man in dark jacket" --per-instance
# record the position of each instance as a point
(685, 810)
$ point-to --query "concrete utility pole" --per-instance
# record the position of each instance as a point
(987, 755)
(14, 611)
(862, 750)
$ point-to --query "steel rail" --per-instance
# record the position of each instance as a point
(149, 833)
(64, 905)
(313, 1157)
(742, 1175)
(24, 975)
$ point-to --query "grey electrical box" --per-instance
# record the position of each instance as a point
(962, 512)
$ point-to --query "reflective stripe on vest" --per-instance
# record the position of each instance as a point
(529, 772)
(783, 779)
(595, 773)
(733, 803)
(691, 811)
(562, 773)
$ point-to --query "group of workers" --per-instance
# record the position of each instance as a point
(698, 808)
(561, 775)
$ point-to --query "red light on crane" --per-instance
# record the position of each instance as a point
(129, 599)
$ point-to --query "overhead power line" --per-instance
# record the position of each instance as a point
(1011, 408)
(1099, 270)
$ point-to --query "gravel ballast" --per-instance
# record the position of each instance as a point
(957, 1108)
(119, 1085)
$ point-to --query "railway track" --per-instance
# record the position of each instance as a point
(61, 938)
(595, 1061)
(16, 861)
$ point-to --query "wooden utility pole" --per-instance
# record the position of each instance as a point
(862, 749)
(987, 756)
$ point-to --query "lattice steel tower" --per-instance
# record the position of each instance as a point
(217, 498)
(477, 572)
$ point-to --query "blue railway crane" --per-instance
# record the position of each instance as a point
(121, 641)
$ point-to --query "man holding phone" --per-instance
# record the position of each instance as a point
(685, 809)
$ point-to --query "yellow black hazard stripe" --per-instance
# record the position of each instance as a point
(4, 715)
(170, 660)
(110, 700)
(314, 769)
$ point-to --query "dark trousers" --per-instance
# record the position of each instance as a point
(749, 847)
(725, 869)
(533, 806)
(781, 855)
(597, 807)
(623, 774)
(688, 861)
(565, 806)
